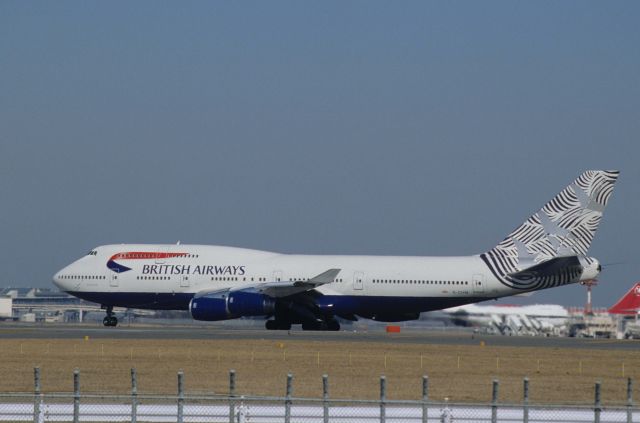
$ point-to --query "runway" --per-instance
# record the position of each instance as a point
(409, 336)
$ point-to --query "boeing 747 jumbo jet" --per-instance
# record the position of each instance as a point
(217, 283)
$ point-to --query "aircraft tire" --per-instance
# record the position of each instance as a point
(277, 325)
(333, 325)
(110, 321)
(314, 326)
(284, 325)
(271, 325)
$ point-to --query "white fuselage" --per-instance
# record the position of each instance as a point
(168, 276)
(214, 267)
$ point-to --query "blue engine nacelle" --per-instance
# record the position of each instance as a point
(230, 305)
(210, 307)
(250, 304)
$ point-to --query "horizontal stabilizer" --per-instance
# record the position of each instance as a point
(524, 294)
(551, 267)
(557, 271)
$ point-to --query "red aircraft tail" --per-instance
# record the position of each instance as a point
(629, 304)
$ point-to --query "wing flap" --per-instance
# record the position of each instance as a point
(286, 288)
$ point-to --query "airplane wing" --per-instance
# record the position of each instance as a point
(284, 288)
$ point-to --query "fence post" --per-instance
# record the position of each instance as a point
(525, 401)
(37, 395)
(134, 395)
(325, 398)
(629, 399)
(180, 396)
(597, 405)
(232, 394)
(425, 398)
(287, 401)
(76, 396)
(494, 402)
(383, 398)
(242, 411)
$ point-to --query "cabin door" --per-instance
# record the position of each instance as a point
(114, 279)
(358, 281)
(478, 283)
(184, 281)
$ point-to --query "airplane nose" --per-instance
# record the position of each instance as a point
(57, 280)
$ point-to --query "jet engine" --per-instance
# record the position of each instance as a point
(210, 307)
(223, 305)
(241, 303)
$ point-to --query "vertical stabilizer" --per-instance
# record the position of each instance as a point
(629, 304)
(564, 227)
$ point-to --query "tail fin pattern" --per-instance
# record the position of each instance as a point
(629, 304)
(565, 226)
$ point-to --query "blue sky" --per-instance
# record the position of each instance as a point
(416, 128)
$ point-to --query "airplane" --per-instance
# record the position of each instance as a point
(628, 309)
(218, 283)
(506, 319)
(629, 304)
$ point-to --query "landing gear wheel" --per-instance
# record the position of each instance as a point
(110, 319)
(284, 326)
(277, 325)
(333, 325)
(314, 326)
(271, 325)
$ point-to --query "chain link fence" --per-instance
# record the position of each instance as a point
(77, 407)
(97, 408)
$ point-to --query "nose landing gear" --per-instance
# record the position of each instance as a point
(110, 319)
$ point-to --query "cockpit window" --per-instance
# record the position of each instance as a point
(93, 253)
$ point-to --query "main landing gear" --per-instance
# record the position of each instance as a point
(277, 325)
(110, 319)
(328, 325)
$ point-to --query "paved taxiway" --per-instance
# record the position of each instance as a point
(410, 336)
